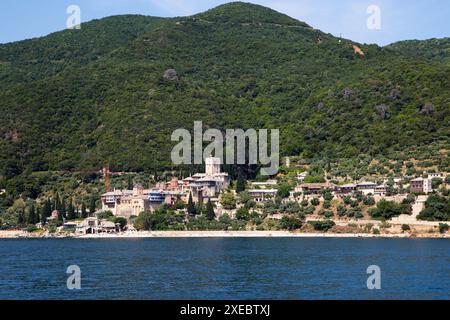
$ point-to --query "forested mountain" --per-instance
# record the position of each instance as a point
(433, 49)
(78, 98)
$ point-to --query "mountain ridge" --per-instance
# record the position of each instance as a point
(82, 111)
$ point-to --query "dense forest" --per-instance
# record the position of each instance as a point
(76, 99)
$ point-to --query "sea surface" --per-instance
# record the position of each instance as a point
(225, 268)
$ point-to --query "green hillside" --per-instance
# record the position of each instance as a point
(433, 49)
(78, 98)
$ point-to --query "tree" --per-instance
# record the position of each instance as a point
(242, 214)
(290, 223)
(405, 227)
(240, 183)
(83, 210)
(228, 201)
(57, 203)
(443, 227)
(71, 211)
(210, 214)
(341, 210)
(21, 218)
(64, 206)
(369, 201)
(92, 206)
(130, 184)
(388, 209)
(105, 215)
(46, 210)
(33, 216)
(328, 196)
(191, 207)
(437, 208)
(284, 190)
(121, 221)
(179, 204)
(322, 225)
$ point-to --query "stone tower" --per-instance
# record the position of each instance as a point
(212, 166)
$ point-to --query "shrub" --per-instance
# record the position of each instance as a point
(290, 223)
(242, 214)
(322, 225)
(105, 215)
(406, 227)
(315, 202)
(31, 228)
(443, 227)
(437, 208)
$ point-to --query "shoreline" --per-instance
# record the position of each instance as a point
(217, 234)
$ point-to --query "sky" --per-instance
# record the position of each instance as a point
(397, 19)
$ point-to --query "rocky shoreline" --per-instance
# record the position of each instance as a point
(213, 234)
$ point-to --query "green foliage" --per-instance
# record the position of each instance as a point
(191, 209)
(31, 228)
(290, 223)
(443, 227)
(322, 225)
(284, 190)
(71, 215)
(228, 201)
(326, 213)
(120, 220)
(159, 220)
(433, 49)
(70, 114)
(105, 215)
(328, 196)
(210, 214)
(242, 214)
(437, 208)
(83, 211)
(92, 206)
(369, 201)
(240, 183)
(388, 209)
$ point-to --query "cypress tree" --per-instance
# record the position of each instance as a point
(57, 203)
(92, 206)
(21, 218)
(71, 211)
(210, 214)
(130, 183)
(46, 210)
(240, 183)
(33, 217)
(63, 211)
(83, 210)
(191, 207)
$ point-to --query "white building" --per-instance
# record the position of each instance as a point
(421, 185)
(366, 187)
(263, 195)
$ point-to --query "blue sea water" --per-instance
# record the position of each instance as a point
(225, 268)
